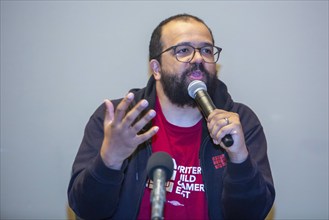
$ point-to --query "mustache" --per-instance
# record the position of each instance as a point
(197, 66)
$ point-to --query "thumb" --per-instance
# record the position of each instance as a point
(109, 112)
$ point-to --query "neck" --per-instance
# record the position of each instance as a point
(179, 116)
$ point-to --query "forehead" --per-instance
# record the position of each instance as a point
(189, 31)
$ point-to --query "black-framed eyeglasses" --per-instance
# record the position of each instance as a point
(185, 53)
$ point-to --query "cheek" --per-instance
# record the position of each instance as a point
(174, 67)
(212, 68)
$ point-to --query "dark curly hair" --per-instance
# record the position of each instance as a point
(155, 46)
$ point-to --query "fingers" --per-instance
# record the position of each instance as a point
(219, 134)
(147, 135)
(131, 116)
(126, 119)
(121, 129)
(221, 123)
(144, 120)
(109, 113)
(121, 109)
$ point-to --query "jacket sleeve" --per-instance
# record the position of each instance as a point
(248, 187)
(94, 189)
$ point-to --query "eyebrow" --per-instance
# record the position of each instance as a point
(203, 44)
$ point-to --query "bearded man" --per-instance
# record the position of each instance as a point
(211, 180)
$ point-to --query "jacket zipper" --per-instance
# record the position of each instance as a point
(201, 158)
(149, 151)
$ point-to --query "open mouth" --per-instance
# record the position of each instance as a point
(196, 75)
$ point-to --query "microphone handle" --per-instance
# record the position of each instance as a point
(158, 195)
(207, 106)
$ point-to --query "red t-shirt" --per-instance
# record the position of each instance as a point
(185, 196)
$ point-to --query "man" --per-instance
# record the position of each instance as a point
(211, 180)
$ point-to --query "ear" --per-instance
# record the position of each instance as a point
(156, 68)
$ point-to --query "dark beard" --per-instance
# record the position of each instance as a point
(175, 87)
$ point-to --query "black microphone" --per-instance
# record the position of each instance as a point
(198, 91)
(159, 167)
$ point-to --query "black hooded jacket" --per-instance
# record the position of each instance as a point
(235, 191)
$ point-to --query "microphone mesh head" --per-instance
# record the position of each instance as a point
(195, 86)
(160, 160)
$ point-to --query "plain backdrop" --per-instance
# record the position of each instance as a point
(61, 59)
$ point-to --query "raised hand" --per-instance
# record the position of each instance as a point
(121, 129)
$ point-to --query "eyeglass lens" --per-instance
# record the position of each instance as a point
(185, 53)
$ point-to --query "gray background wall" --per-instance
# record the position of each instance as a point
(61, 59)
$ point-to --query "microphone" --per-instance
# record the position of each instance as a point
(159, 167)
(198, 91)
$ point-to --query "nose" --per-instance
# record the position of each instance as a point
(197, 58)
